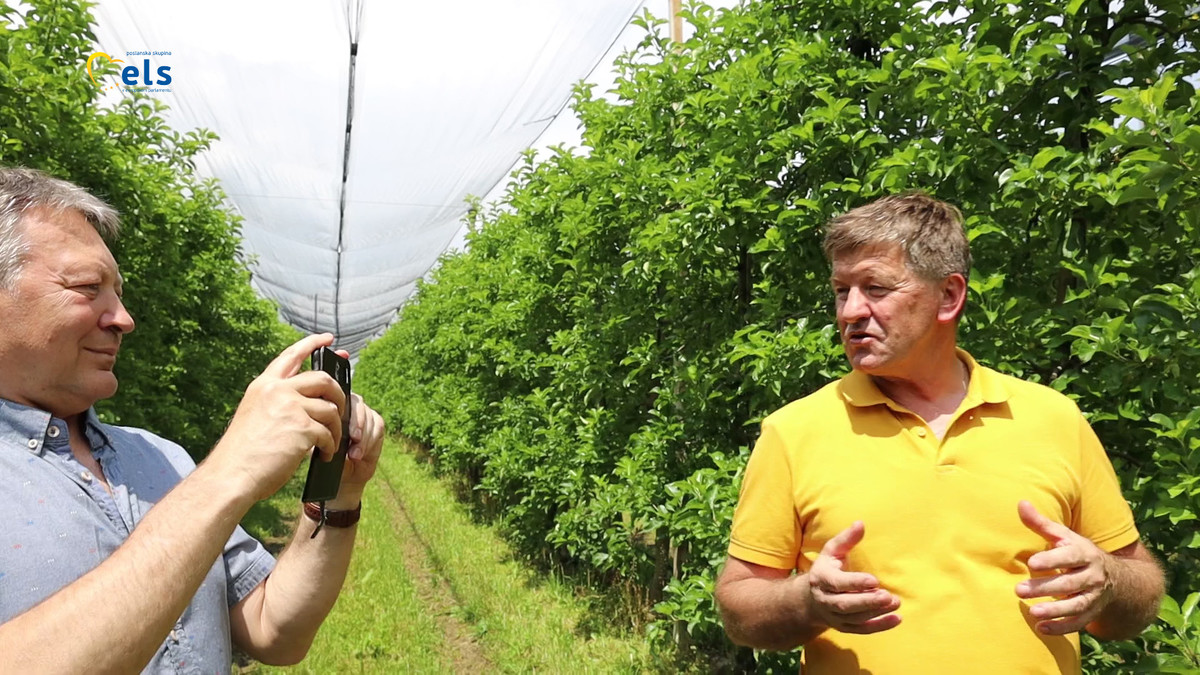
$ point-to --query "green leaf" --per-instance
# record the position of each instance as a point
(1136, 192)
(1047, 155)
(1163, 421)
(1188, 610)
(1169, 613)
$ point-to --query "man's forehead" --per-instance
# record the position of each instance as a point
(870, 258)
(67, 241)
(106, 268)
(42, 222)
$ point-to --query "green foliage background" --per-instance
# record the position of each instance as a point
(599, 358)
(201, 333)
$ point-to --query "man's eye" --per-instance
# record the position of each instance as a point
(877, 291)
(92, 289)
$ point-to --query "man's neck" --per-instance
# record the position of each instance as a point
(81, 447)
(76, 424)
(937, 390)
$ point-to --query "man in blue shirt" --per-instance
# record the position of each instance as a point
(117, 553)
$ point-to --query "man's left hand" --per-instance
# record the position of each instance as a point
(366, 442)
(1080, 578)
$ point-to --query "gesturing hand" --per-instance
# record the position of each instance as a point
(1081, 581)
(851, 602)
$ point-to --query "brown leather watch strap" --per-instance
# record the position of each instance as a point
(333, 518)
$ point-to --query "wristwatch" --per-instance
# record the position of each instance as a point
(316, 512)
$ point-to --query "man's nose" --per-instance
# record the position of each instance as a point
(118, 319)
(854, 306)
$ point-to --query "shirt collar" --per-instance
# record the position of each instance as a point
(986, 386)
(94, 429)
(20, 422)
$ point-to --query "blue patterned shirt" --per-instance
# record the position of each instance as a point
(58, 523)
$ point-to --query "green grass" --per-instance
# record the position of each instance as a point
(526, 622)
(431, 591)
(379, 625)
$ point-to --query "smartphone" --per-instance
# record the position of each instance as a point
(325, 477)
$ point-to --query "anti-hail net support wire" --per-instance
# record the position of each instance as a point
(354, 12)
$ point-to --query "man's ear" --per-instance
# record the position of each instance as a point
(953, 298)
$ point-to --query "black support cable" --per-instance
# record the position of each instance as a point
(353, 23)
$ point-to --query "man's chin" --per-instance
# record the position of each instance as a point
(104, 385)
(867, 362)
(78, 399)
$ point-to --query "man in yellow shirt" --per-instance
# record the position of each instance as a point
(940, 517)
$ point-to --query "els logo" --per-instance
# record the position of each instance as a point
(132, 76)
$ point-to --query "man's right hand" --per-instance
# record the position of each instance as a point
(283, 414)
(148, 582)
(850, 602)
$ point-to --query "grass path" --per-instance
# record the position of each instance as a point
(431, 591)
(459, 646)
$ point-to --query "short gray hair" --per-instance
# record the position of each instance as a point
(22, 190)
(928, 230)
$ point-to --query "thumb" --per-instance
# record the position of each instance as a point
(1048, 529)
(289, 360)
(844, 541)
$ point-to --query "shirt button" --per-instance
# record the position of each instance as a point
(921, 433)
(86, 475)
(52, 432)
(33, 443)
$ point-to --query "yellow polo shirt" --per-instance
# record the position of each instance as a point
(942, 530)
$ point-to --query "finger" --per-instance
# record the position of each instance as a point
(368, 436)
(319, 384)
(1056, 586)
(844, 541)
(326, 414)
(1064, 626)
(289, 360)
(879, 623)
(837, 581)
(358, 417)
(1070, 623)
(357, 449)
(322, 439)
(860, 618)
(373, 441)
(863, 605)
(1048, 529)
(1058, 558)
(1076, 605)
(342, 353)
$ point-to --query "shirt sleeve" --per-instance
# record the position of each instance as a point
(1103, 514)
(247, 561)
(766, 530)
(247, 564)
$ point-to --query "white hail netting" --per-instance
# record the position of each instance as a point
(446, 96)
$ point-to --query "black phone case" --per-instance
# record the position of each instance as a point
(324, 478)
